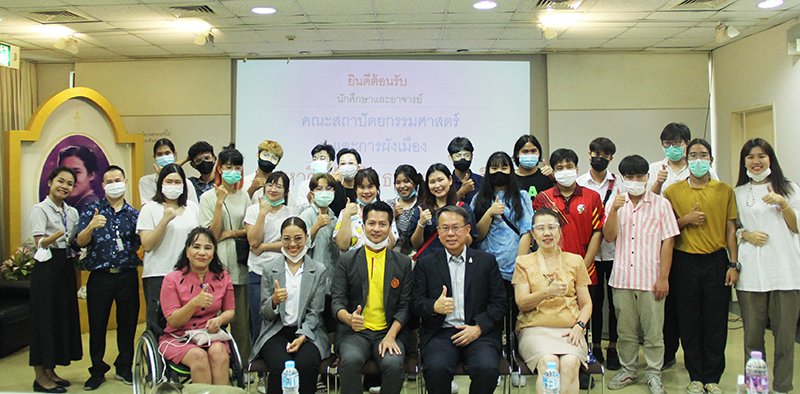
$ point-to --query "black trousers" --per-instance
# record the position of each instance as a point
(598, 295)
(672, 334)
(102, 289)
(702, 299)
(306, 361)
(510, 321)
(481, 360)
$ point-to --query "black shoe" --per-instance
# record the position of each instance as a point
(612, 359)
(61, 382)
(94, 382)
(597, 352)
(124, 376)
(585, 381)
(38, 388)
(668, 364)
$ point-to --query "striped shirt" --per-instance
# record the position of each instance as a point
(641, 229)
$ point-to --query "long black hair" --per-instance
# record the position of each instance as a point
(166, 170)
(486, 194)
(428, 199)
(183, 262)
(779, 182)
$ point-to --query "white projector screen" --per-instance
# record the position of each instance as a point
(391, 111)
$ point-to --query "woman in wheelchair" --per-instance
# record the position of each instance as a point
(191, 298)
(551, 290)
(292, 300)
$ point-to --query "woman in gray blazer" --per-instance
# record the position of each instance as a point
(292, 300)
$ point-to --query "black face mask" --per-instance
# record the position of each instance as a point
(599, 164)
(205, 167)
(499, 178)
(266, 166)
(462, 164)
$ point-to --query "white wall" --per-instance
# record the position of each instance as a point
(628, 98)
(753, 71)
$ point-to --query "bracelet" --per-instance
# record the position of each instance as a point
(739, 235)
(419, 224)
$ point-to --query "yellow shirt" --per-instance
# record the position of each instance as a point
(374, 314)
(717, 201)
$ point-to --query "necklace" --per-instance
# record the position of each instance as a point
(751, 198)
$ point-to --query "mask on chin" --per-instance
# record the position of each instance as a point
(297, 258)
(759, 177)
(376, 246)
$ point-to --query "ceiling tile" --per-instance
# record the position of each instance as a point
(649, 32)
(44, 55)
(450, 33)
(576, 44)
(89, 27)
(296, 47)
(409, 6)
(147, 51)
(696, 32)
(31, 3)
(592, 32)
(241, 49)
(316, 7)
(96, 53)
(628, 5)
(191, 49)
(349, 34)
(527, 33)
(683, 42)
(752, 5)
(479, 17)
(116, 40)
(339, 18)
(124, 12)
(631, 43)
(167, 38)
(614, 16)
(391, 33)
(422, 45)
(243, 7)
(683, 15)
(99, 2)
(520, 44)
(274, 20)
(411, 18)
(278, 35)
(507, 6)
(355, 46)
(731, 16)
(225, 37)
(472, 45)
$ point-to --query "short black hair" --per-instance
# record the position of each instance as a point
(562, 154)
(674, 131)
(114, 167)
(166, 170)
(372, 176)
(162, 142)
(410, 172)
(60, 169)
(379, 206)
(327, 148)
(458, 144)
(633, 165)
(701, 142)
(214, 266)
(273, 177)
(603, 146)
(345, 151)
(200, 147)
(294, 221)
(230, 155)
(454, 209)
(521, 141)
(85, 154)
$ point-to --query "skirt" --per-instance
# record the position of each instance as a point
(55, 323)
(537, 342)
(174, 350)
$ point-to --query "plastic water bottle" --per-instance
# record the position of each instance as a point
(290, 379)
(551, 379)
(756, 374)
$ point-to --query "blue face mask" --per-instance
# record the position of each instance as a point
(323, 198)
(410, 196)
(275, 203)
(362, 202)
(165, 160)
(231, 176)
(528, 161)
(674, 153)
(699, 167)
(319, 166)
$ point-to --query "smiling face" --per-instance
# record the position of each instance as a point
(757, 161)
(83, 183)
(439, 184)
(293, 240)
(61, 186)
(366, 191)
(377, 226)
(403, 185)
(546, 231)
(200, 253)
(453, 232)
(274, 191)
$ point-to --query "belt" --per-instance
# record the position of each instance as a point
(114, 270)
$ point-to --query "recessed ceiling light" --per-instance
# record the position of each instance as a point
(770, 3)
(263, 10)
(193, 25)
(485, 5)
(559, 20)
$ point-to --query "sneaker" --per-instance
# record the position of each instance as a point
(262, 385)
(321, 387)
(713, 388)
(517, 380)
(668, 364)
(695, 388)
(124, 376)
(597, 351)
(94, 382)
(453, 387)
(622, 379)
(499, 380)
(655, 386)
(612, 359)
(375, 390)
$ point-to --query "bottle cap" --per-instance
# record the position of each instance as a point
(552, 365)
(740, 380)
(756, 354)
(289, 364)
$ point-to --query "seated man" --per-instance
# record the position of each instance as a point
(459, 327)
(371, 292)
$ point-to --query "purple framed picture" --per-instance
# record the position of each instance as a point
(87, 159)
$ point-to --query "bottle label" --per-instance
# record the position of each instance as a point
(290, 381)
(757, 384)
(551, 383)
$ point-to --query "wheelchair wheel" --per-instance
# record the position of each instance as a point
(237, 370)
(147, 364)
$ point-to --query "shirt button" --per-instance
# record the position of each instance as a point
(202, 309)
(194, 324)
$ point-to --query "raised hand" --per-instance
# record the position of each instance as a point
(98, 220)
(264, 206)
(695, 216)
(424, 216)
(356, 320)
(773, 198)
(350, 209)
(279, 295)
(323, 220)
(497, 208)
(619, 202)
(557, 288)
(444, 305)
(467, 186)
(662, 175)
(169, 213)
(546, 169)
(221, 194)
(204, 299)
(398, 210)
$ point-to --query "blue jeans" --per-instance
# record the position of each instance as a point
(254, 299)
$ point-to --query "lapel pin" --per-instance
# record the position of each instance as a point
(470, 260)
(395, 283)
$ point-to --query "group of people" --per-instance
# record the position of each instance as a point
(528, 248)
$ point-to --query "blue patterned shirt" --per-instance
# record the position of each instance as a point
(103, 250)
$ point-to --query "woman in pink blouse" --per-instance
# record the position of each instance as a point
(191, 298)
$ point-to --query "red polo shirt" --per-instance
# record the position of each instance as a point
(582, 214)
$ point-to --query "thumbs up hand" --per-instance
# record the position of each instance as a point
(204, 299)
(776, 199)
(98, 220)
(424, 216)
(695, 216)
(444, 305)
(350, 209)
(497, 208)
(356, 320)
(546, 169)
(662, 175)
(279, 295)
(619, 202)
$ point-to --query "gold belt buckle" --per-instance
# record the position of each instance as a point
(113, 270)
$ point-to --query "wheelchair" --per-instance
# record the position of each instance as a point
(150, 368)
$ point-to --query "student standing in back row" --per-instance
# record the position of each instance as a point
(465, 181)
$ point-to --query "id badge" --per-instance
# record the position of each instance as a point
(119, 245)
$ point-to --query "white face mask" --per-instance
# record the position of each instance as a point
(376, 246)
(297, 258)
(760, 177)
(115, 190)
(348, 171)
(566, 178)
(635, 188)
(172, 192)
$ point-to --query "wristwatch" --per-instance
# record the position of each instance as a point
(580, 323)
(735, 266)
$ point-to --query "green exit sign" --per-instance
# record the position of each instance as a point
(9, 55)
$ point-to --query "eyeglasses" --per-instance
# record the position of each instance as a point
(264, 155)
(543, 227)
(289, 240)
(206, 157)
(454, 229)
(273, 185)
(462, 155)
(675, 143)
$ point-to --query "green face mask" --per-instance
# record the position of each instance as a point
(699, 167)
(674, 153)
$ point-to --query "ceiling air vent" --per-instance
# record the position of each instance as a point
(556, 4)
(57, 16)
(187, 11)
(698, 4)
